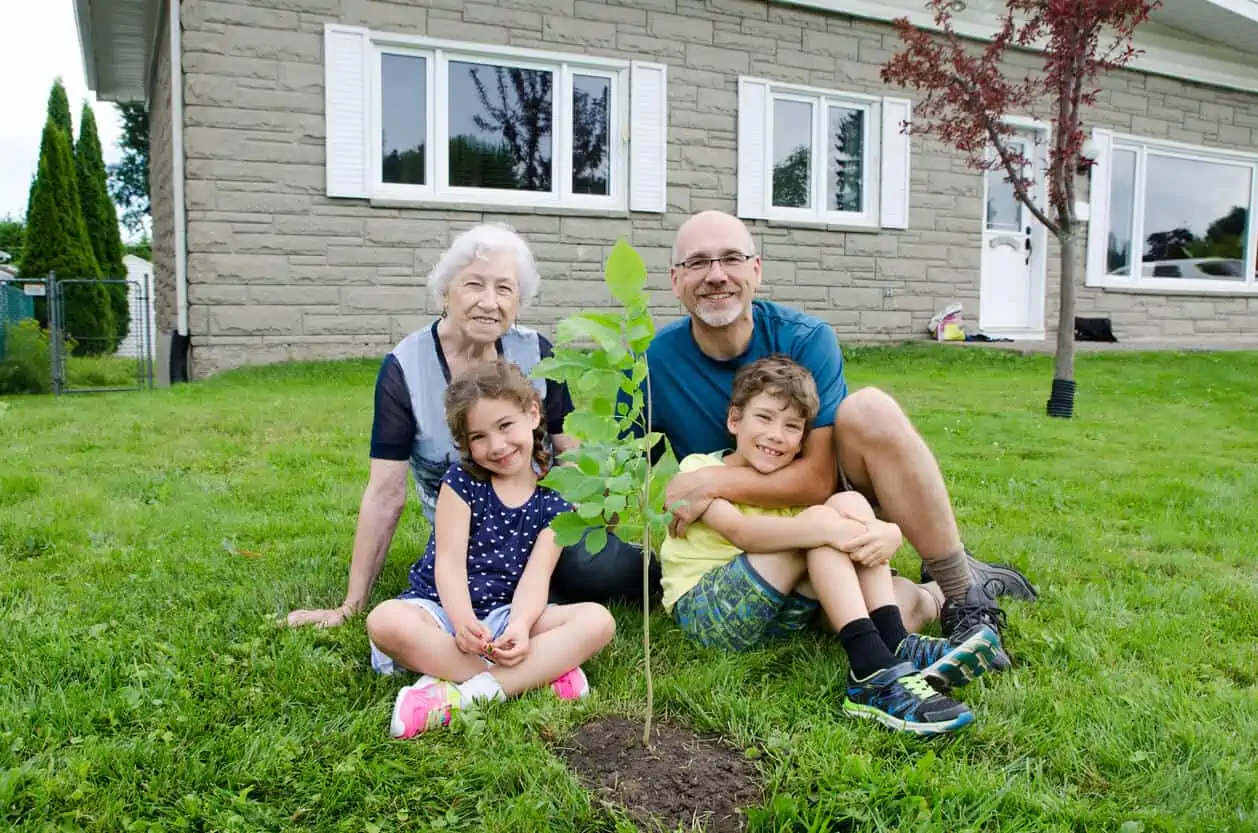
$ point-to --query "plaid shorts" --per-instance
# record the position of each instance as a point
(734, 608)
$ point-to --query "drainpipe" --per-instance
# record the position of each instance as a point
(180, 343)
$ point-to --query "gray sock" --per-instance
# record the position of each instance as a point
(952, 571)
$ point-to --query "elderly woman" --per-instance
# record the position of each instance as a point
(481, 281)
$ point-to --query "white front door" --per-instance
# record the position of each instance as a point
(1011, 290)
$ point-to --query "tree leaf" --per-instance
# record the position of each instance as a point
(626, 273)
(568, 527)
(596, 541)
(590, 509)
(601, 328)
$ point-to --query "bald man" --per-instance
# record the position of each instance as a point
(861, 440)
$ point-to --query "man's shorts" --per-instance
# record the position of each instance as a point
(495, 622)
(734, 608)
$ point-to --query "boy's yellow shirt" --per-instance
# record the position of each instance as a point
(683, 561)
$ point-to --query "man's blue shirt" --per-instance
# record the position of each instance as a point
(690, 392)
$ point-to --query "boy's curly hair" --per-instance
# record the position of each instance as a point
(782, 378)
(498, 379)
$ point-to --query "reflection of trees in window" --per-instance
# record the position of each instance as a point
(1225, 237)
(790, 179)
(589, 141)
(475, 163)
(848, 158)
(1118, 254)
(521, 116)
(404, 166)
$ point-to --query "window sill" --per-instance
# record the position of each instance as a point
(498, 208)
(1211, 292)
(819, 225)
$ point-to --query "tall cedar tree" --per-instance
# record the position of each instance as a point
(101, 219)
(967, 93)
(129, 179)
(56, 241)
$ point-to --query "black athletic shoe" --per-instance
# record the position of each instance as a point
(997, 579)
(961, 620)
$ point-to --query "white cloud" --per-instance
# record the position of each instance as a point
(40, 43)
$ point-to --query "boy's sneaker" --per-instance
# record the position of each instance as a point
(961, 620)
(946, 666)
(424, 706)
(571, 685)
(997, 579)
(900, 698)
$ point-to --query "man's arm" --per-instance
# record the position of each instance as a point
(816, 526)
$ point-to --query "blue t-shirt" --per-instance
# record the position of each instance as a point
(691, 391)
(500, 539)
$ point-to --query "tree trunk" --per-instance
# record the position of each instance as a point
(1062, 401)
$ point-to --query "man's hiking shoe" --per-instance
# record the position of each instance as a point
(946, 666)
(900, 698)
(962, 620)
(997, 579)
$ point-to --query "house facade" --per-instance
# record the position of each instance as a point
(310, 159)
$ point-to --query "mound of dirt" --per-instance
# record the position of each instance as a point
(681, 778)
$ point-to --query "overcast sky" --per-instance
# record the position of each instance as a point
(40, 43)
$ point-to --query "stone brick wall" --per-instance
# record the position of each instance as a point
(161, 195)
(277, 270)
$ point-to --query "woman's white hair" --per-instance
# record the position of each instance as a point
(478, 243)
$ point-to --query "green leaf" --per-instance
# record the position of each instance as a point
(599, 327)
(590, 509)
(568, 527)
(596, 540)
(588, 465)
(626, 273)
(639, 332)
(614, 504)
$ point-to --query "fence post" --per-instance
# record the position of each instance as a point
(54, 326)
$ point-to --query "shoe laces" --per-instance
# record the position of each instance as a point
(969, 616)
(916, 684)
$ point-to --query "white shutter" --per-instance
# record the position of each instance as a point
(346, 96)
(1098, 209)
(754, 103)
(896, 151)
(648, 137)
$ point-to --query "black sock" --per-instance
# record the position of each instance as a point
(866, 652)
(890, 626)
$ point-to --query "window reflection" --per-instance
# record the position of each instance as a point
(591, 124)
(792, 153)
(1122, 202)
(1195, 218)
(500, 126)
(845, 189)
(404, 118)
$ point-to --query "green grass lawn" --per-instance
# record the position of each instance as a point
(149, 542)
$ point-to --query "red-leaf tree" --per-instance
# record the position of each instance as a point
(968, 90)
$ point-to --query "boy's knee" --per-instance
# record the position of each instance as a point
(850, 504)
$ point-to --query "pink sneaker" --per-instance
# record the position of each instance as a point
(571, 685)
(424, 706)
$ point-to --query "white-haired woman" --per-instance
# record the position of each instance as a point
(481, 282)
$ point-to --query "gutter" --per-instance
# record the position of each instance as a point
(177, 174)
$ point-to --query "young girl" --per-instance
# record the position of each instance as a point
(475, 622)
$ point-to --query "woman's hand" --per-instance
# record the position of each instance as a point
(471, 637)
(512, 647)
(876, 545)
(321, 618)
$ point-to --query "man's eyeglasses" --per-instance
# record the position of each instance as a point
(729, 261)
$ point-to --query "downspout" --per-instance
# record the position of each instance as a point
(180, 343)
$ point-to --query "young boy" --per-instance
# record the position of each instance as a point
(745, 575)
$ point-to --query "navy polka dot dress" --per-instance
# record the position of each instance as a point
(499, 541)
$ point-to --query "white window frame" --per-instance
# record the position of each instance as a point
(437, 190)
(1136, 280)
(821, 101)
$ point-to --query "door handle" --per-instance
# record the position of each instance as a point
(1028, 245)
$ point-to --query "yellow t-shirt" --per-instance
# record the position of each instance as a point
(683, 561)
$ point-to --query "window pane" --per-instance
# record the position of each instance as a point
(500, 127)
(846, 174)
(404, 118)
(1195, 218)
(1122, 199)
(591, 124)
(1004, 211)
(792, 154)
